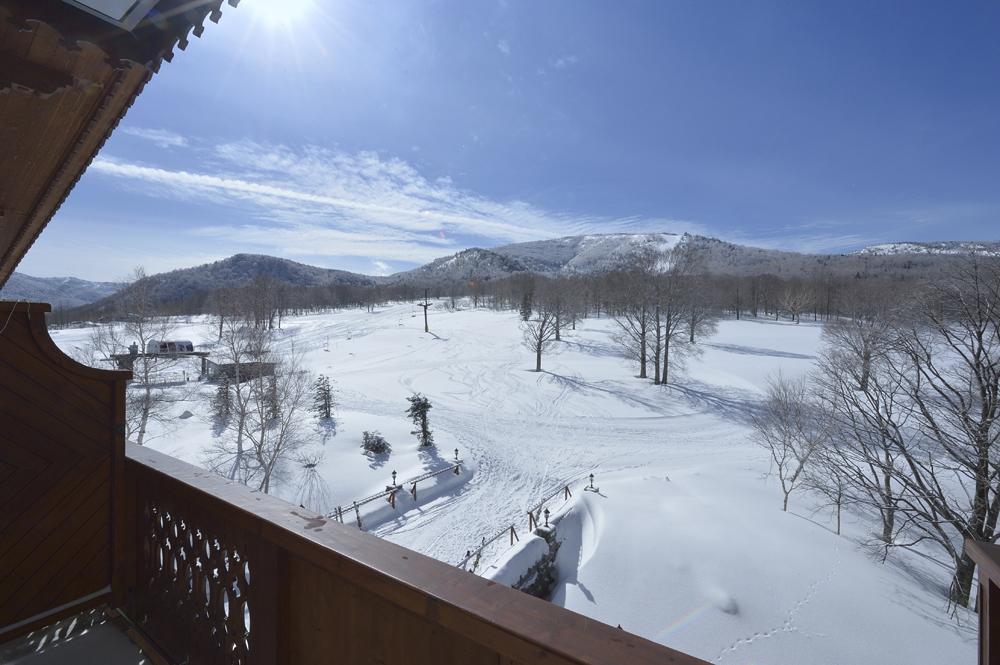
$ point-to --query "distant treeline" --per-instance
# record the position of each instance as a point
(818, 296)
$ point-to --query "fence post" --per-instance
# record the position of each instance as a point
(532, 522)
(413, 491)
(357, 513)
(392, 499)
(513, 535)
(566, 493)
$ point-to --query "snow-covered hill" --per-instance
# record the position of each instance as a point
(475, 263)
(58, 291)
(589, 254)
(194, 284)
(943, 247)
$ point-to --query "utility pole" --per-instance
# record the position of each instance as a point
(425, 305)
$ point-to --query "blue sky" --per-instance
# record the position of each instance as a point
(373, 135)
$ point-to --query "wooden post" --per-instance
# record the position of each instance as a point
(425, 305)
(357, 513)
(413, 491)
(513, 535)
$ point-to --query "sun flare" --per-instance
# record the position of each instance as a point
(283, 13)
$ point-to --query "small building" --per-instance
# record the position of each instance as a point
(169, 346)
(237, 372)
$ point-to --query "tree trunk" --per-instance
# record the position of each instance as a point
(666, 360)
(866, 369)
(144, 418)
(656, 363)
(238, 462)
(961, 581)
(538, 358)
(642, 355)
(889, 511)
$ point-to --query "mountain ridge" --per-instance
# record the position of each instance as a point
(57, 291)
(565, 256)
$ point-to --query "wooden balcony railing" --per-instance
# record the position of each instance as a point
(987, 558)
(212, 572)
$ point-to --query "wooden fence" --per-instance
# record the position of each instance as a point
(473, 558)
(390, 492)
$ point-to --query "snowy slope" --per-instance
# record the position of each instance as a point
(589, 253)
(944, 247)
(57, 291)
(685, 544)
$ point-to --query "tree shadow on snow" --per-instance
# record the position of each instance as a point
(757, 351)
(603, 350)
(326, 428)
(728, 404)
(432, 460)
(377, 460)
(580, 385)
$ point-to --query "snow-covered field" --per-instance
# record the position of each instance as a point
(685, 543)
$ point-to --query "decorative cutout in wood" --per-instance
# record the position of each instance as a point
(197, 587)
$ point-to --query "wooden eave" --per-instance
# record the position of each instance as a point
(66, 80)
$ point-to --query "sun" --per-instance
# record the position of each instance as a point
(282, 13)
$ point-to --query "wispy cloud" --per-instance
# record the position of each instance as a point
(160, 137)
(503, 46)
(381, 268)
(314, 201)
(564, 61)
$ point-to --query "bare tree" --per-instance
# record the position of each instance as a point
(786, 426)
(701, 314)
(864, 422)
(794, 299)
(634, 308)
(538, 332)
(139, 323)
(949, 364)
(672, 280)
(865, 335)
(244, 348)
(273, 423)
(917, 415)
(826, 478)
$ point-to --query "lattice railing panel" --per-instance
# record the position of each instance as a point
(196, 585)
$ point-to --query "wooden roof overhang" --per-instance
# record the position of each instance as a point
(66, 79)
